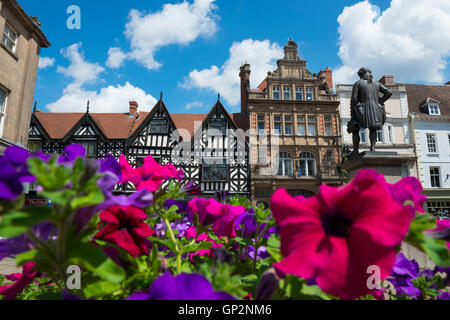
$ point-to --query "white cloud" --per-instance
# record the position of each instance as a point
(110, 99)
(115, 58)
(80, 70)
(195, 104)
(45, 62)
(410, 40)
(261, 55)
(175, 24)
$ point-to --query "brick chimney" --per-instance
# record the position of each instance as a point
(133, 108)
(328, 73)
(245, 86)
(387, 80)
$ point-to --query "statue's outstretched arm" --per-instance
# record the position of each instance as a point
(386, 94)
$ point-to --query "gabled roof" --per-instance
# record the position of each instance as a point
(418, 94)
(121, 126)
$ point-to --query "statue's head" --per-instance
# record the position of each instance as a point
(365, 73)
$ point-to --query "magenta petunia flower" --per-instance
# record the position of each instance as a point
(23, 280)
(182, 287)
(221, 216)
(191, 233)
(408, 189)
(126, 228)
(335, 236)
(150, 175)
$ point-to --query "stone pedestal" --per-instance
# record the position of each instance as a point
(392, 165)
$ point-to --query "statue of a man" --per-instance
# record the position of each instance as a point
(367, 108)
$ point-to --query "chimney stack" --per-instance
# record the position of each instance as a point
(245, 87)
(133, 108)
(328, 73)
(387, 80)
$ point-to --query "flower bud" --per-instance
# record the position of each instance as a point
(267, 285)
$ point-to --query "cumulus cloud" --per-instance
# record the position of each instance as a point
(115, 58)
(410, 40)
(261, 55)
(110, 99)
(178, 24)
(45, 62)
(194, 105)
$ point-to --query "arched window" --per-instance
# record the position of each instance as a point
(285, 167)
(307, 165)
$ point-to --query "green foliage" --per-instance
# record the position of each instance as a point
(435, 248)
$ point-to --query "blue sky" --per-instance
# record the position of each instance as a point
(183, 48)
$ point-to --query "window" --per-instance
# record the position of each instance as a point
(34, 145)
(431, 142)
(287, 93)
(307, 165)
(90, 147)
(299, 94)
(380, 136)
(301, 126)
(276, 93)
(261, 124)
(434, 109)
(277, 124)
(219, 125)
(309, 94)
(329, 157)
(9, 38)
(288, 125)
(435, 177)
(215, 172)
(285, 167)
(158, 126)
(449, 139)
(312, 126)
(328, 126)
(3, 96)
(363, 136)
(390, 134)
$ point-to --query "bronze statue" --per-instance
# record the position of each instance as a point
(367, 108)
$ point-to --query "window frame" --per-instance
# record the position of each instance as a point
(301, 123)
(153, 125)
(287, 91)
(434, 107)
(435, 176)
(363, 133)
(277, 91)
(12, 30)
(313, 123)
(4, 107)
(282, 170)
(431, 143)
(307, 160)
(328, 125)
(260, 121)
(288, 124)
(34, 142)
(221, 166)
(309, 94)
(95, 144)
(277, 122)
(299, 91)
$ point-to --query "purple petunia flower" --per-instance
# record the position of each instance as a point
(445, 295)
(14, 172)
(14, 246)
(182, 207)
(261, 254)
(403, 272)
(182, 287)
(247, 223)
(72, 153)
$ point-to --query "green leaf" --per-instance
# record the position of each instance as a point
(59, 197)
(93, 195)
(167, 243)
(17, 222)
(101, 288)
(315, 291)
(196, 247)
(28, 256)
(96, 261)
(436, 249)
(77, 172)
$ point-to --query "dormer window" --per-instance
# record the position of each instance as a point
(433, 109)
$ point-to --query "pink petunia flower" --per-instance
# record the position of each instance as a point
(22, 281)
(191, 233)
(220, 216)
(126, 228)
(335, 236)
(150, 176)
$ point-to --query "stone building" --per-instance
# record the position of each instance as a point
(429, 106)
(21, 43)
(395, 135)
(294, 120)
